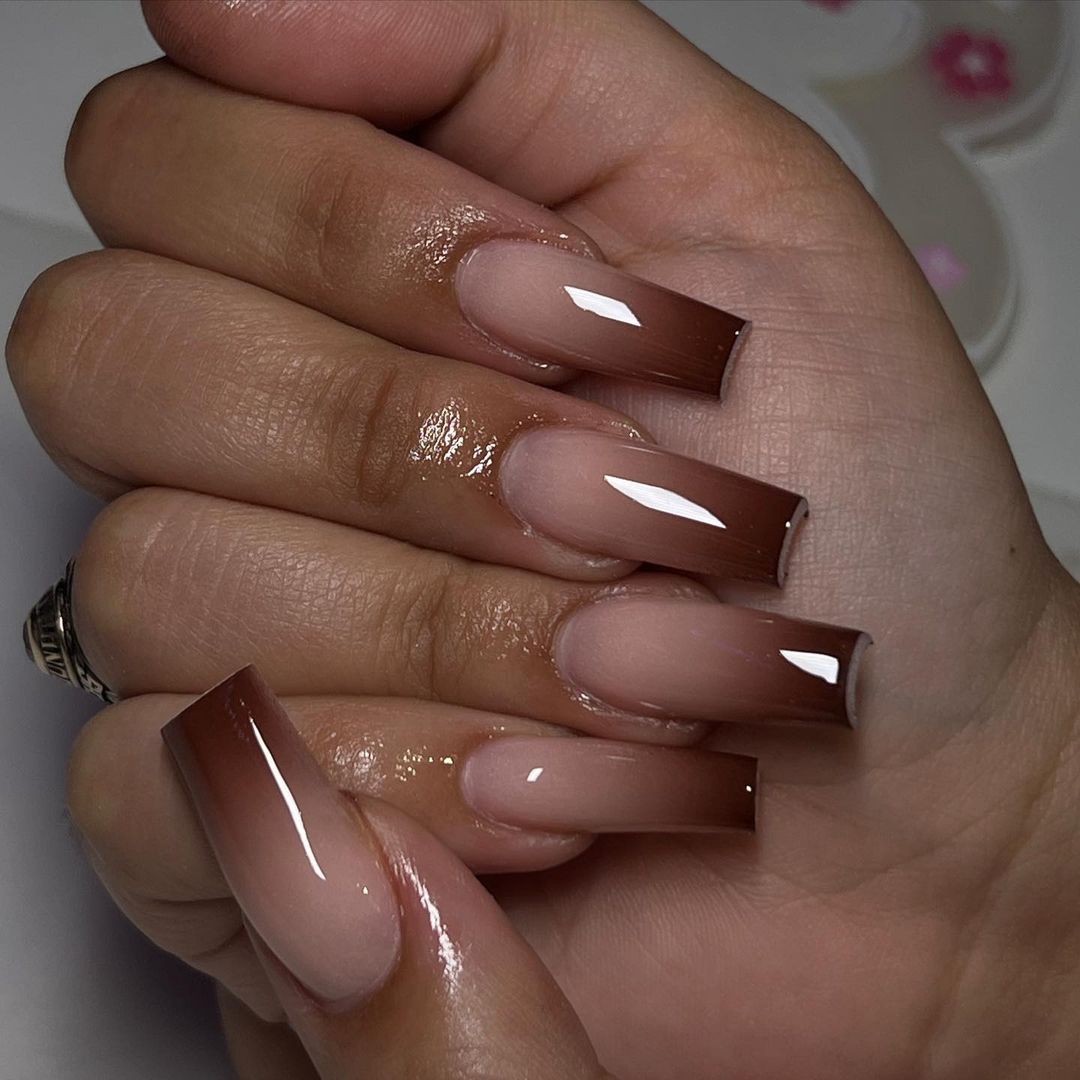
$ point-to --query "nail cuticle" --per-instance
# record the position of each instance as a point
(686, 732)
(794, 526)
(560, 242)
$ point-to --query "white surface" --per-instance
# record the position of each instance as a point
(80, 994)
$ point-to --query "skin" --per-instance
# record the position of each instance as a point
(906, 908)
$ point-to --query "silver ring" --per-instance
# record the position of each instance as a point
(49, 637)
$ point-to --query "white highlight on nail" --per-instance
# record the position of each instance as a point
(534, 775)
(605, 306)
(749, 789)
(664, 500)
(820, 665)
(290, 802)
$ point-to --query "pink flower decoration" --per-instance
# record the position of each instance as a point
(941, 266)
(971, 67)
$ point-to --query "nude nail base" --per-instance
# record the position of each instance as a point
(599, 786)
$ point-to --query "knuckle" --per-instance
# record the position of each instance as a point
(331, 200)
(424, 607)
(370, 433)
(128, 578)
(38, 342)
(124, 536)
(199, 932)
(99, 123)
(60, 338)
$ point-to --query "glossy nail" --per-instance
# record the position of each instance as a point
(299, 861)
(600, 786)
(699, 660)
(548, 304)
(630, 500)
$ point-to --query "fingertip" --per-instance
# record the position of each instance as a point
(124, 799)
(230, 41)
(265, 47)
(191, 34)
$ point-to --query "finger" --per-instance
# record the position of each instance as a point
(492, 788)
(260, 1050)
(207, 935)
(137, 835)
(504, 794)
(173, 588)
(145, 845)
(124, 799)
(136, 370)
(390, 958)
(544, 98)
(376, 232)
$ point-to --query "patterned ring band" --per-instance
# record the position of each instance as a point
(49, 637)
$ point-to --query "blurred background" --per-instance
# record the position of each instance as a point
(961, 116)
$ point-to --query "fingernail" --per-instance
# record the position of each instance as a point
(546, 303)
(629, 500)
(596, 785)
(708, 661)
(298, 860)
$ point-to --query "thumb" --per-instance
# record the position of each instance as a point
(388, 956)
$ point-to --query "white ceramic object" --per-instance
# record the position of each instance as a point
(961, 76)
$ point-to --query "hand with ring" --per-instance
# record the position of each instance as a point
(469, 369)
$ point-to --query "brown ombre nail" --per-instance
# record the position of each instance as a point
(698, 660)
(300, 863)
(601, 786)
(545, 303)
(629, 500)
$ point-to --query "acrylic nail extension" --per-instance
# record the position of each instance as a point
(600, 786)
(548, 304)
(699, 660)
(307, 877)
(630, 500)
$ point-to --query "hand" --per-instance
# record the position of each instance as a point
(917, 874)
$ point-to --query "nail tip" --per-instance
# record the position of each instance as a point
(755, 798)
(338, 1000)
(851, 691)
(728, 361)
(794, 525)
(248, 675)
(750, 780)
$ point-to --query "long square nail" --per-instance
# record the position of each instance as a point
(300, 863)
(600, 786)
(699, 660)
(548, 304)
(626, 499)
